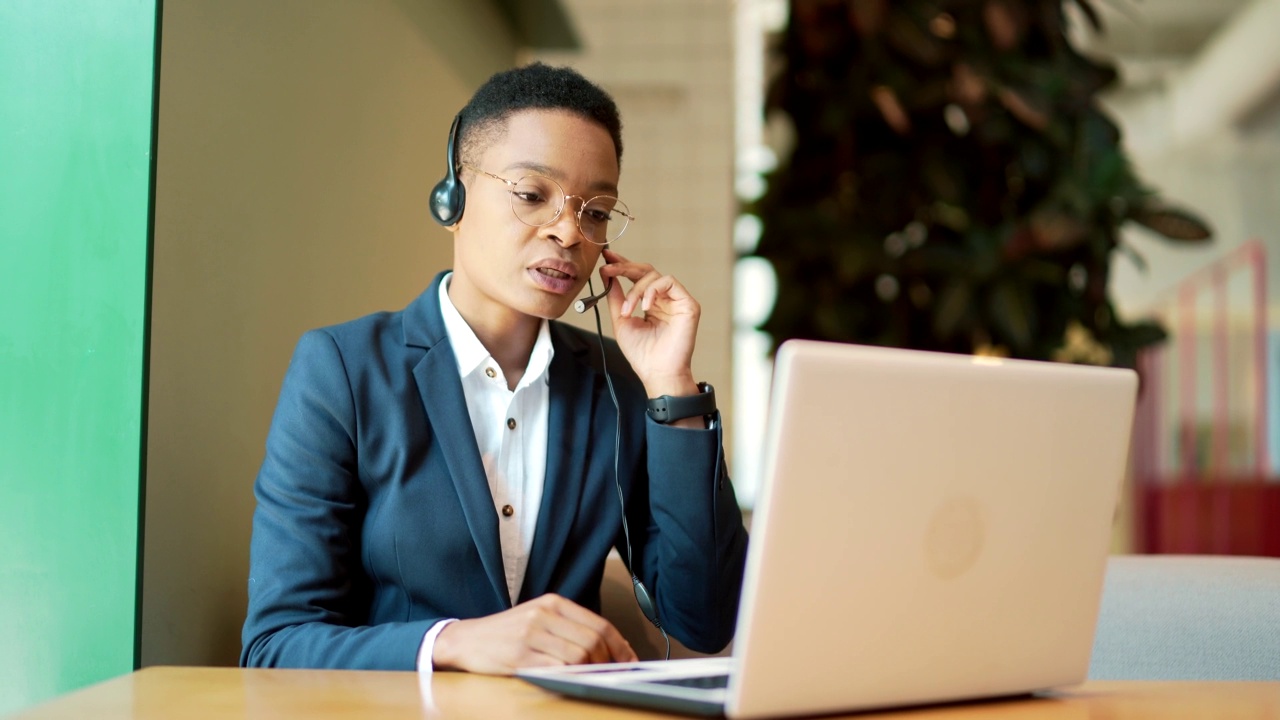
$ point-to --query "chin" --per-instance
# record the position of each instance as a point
(560, 311)
(552, 308)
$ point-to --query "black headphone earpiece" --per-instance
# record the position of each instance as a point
(449, 196)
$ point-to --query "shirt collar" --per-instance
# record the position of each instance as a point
(471, 353)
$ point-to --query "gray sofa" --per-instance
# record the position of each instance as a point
(1186, 617)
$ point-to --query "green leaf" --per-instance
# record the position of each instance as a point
(1172, 223)
(1142, 334)
(1125, 342)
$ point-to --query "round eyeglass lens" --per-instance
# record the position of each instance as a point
(537, 201)
(603, 219)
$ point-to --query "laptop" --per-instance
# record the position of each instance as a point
(930, 528)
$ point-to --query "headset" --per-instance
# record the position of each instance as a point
(448, 198)
(449, 195)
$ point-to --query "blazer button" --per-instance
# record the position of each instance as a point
(511, 423)
(508, 511)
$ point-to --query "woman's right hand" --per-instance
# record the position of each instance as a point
(546, 631)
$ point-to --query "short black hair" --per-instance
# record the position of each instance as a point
(533, 87)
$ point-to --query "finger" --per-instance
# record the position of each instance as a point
(619, 649)
(638, 289)
(553, 643)
(617, 266)
(615, 297)
(569, 623)
(585, 637)
(665, 287)
(584, 629)
(640, 274)
(627, 299)
(621, 267)
(615, 645)
(666, 298)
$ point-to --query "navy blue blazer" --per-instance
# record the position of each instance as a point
(374, 518)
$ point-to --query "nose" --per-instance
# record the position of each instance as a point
(566, 229)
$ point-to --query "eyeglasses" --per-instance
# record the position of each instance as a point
(538, 200)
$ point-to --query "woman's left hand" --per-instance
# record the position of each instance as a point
(659, 341)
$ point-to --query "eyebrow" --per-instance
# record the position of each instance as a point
(597, 186)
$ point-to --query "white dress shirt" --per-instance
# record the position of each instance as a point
(510, 427)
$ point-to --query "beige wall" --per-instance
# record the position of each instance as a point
(297, 142)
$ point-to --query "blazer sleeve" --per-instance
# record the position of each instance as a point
(694, 545)
(308, 594)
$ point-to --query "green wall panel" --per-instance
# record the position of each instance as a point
(76, 95)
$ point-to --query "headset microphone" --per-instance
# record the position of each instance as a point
(590, 301)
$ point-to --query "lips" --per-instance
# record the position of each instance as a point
(557, 269)
(554, 276)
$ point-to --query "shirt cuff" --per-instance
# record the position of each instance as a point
(425, 665)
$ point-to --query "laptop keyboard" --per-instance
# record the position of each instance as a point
(707, 682)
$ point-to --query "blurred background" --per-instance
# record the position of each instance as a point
(1079, 181)
(192, 185)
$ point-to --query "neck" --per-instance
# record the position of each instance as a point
(507, 335)
(510, 348)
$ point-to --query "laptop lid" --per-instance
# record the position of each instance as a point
(932, 527)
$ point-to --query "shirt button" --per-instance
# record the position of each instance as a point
(508, 511)
(490, 372)
(511, 423)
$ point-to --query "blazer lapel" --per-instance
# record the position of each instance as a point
(568, 439)
(441, 391)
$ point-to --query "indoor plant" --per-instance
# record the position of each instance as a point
(953, 184)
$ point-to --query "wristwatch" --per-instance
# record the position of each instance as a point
(669, 408)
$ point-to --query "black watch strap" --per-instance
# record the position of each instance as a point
(669, 408)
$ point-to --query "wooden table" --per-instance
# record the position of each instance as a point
(197, 693)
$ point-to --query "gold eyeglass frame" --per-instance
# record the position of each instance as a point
(577, 215)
